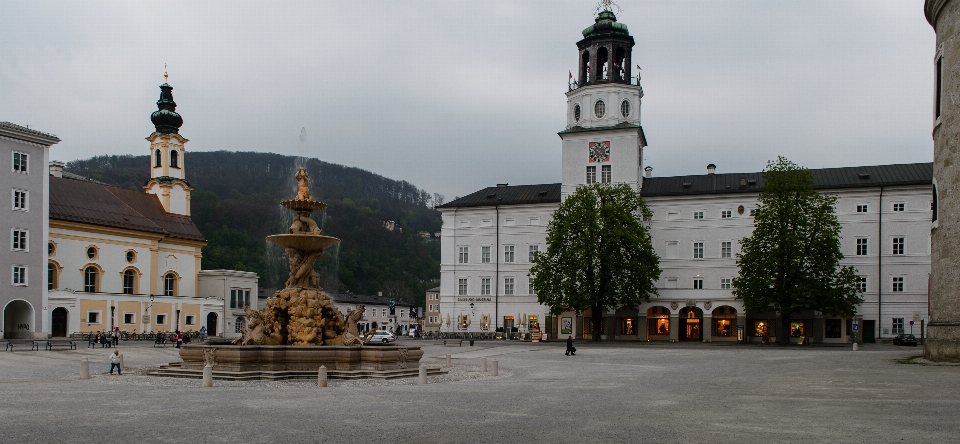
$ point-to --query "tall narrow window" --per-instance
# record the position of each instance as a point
(20, 200)
(534, 249)
(606, 175)
(530, 289)
(698, 284)
(51, 276)
(485, 255)
(508, 286)
(174, 158)
(463, 255)
(169, 284)
(157, 159)
(591, 174)
(128, 282)
(897, 326)
(898, 245)
(90, 278)
(939, 93)
(861, 284)
(19, 240)
(484, 286)
(19, 275)
(462, 287)
(509, 253)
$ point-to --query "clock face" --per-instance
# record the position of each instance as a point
(599, 152)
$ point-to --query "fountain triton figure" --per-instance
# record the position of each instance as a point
(301, 313)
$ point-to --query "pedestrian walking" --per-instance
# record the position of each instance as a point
(179, 339)
(203, 332)
(116, 335)
(571, 350)
(115, 362)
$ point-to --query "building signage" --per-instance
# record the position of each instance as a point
(474, 299)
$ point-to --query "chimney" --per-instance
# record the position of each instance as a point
(500, 185)
(56, 168)
(648, 172)
(711, 169)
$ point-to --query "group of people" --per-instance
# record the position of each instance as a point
(107, 339)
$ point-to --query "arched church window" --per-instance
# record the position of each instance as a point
(90, 278)
(625, 109)
(170, 284)
(599, 109)
(174, 159)
(129, 281)
(157, 159)
(53, 276)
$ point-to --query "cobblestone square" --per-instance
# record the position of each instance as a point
(608, 392)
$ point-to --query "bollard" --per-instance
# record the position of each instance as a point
(483, 365)
(208, 375)
(856, 346)
(84, 369)
(448, 361)
(322, 376)
(423, 374)
(494, 370)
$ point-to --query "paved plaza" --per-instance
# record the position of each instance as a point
(607, 393)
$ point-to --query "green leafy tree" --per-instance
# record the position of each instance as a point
(599, 253)
(792, 260)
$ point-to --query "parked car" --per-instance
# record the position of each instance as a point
(903, 339)
(383, 336)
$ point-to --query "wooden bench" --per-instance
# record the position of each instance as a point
(447, 342)
(161, 343)
(71, 345)
(8, 346)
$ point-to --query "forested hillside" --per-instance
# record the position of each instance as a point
(235, 203)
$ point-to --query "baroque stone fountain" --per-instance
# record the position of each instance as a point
(300, 328)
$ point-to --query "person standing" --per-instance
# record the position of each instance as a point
(116, 335)
(115, 362)
(179, 339)
(571, 350)
(203, 332)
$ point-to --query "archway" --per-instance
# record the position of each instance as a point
(658, 323)
(691, 324)
(18, 320)
(212, 324)
(58, 322)
(724, 322)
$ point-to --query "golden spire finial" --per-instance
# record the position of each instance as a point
(165, 75)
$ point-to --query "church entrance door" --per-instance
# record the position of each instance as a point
(212, 324)
(59, 322)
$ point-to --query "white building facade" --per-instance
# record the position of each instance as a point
(698, 222)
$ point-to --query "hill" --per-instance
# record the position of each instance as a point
(235, 203)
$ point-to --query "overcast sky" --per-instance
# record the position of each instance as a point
(455, 96)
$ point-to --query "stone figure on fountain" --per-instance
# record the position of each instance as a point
(301, 313)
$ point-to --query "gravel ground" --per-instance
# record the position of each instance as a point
(608, 392)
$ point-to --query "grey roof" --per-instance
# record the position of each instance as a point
(13, 129)
(621, 125)
(509, 195)
(434, 290)
(825, 179)
(69, 175)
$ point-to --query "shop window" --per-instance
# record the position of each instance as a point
(659, 326)
(627, 326)
(832, 328)
(760, 328)
(797, 329)
(724, 327)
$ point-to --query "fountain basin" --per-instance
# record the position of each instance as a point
(252, 358)
(304, 242)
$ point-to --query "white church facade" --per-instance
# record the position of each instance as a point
(488, 237)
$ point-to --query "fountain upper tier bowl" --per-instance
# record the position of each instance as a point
(304, 242)
(303, 205)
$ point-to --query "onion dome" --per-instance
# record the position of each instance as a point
(165, 119)
(605, 25)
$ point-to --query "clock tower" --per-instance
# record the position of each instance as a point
(603, 140)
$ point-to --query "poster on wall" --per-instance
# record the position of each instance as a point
(566, 326)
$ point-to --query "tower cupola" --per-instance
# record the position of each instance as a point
(605, 51)
(165, 119)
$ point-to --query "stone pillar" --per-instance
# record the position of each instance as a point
(747, 329)
(943, 330)
(674, 327)
(423, 375)
(707, 328)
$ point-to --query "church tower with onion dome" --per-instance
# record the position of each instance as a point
(167, 148)
(603, 140)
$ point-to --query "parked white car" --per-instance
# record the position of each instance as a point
(383, 336)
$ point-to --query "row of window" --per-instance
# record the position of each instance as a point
(897, 247)
(509, 286)
(600, 108)
(174, 156)
(508, 222)
(896, 207)
(433, 320)
(606, 176)
(433, 307)
(896, 284)
(509, 254)
(727, 214)
(96, 317)
(239, 297)
(130, 278)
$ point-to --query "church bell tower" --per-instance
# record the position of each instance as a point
(167, 148)
(603, 140)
